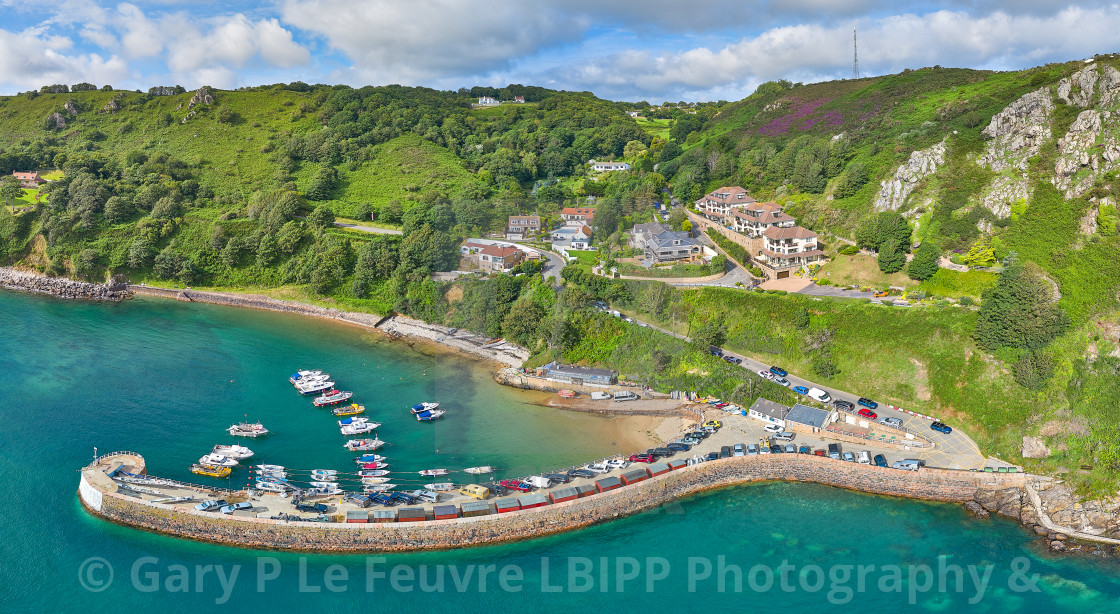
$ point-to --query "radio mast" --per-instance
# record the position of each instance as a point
(855, 56)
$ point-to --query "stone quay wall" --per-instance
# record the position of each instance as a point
(930, 484)
(24, 281)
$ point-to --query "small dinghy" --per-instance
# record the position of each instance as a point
(378, 480)
(372, 473)
(214, 471)
(326, 475)
(373, 465)
(361, 445)
(378, 487)
(350, 410)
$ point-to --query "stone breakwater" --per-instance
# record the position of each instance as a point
(24, 281)
(101, 498)
(398, 327)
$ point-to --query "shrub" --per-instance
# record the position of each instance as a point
(967, 301)
(849, 250)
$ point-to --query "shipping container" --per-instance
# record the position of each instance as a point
(530, 501)
(634, 475)
(476, 508)
(563, 494)
(445, 512)
(658, 468)
(585, 490)
(509, 504)
(385, 516)
(358, 516)
(606, 484)
(412, 514)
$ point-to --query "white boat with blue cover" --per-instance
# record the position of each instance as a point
(428, 416)
(421, 407)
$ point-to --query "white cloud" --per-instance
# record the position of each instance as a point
(31, 61)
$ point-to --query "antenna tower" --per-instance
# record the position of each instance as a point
(855, 56)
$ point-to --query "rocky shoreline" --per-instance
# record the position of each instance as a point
(24, 281)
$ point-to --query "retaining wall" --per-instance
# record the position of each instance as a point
(933, 484)
(13, 279)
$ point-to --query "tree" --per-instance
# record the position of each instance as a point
(874, 233)
(924, 264)
(267, 251)
(1019, 311)
(10, 191)
(981, 253)
(140, 253)
(711, 334)
(321, 217)
(118, 209)
(167, 263)
(523, 321)
(633, 149)
(891, 257)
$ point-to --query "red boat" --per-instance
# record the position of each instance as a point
(332, 397)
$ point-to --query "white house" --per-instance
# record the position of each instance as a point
(753, 219)
(769, 412)
(789, 247)
(486, 101)
(606, 167)
(717, 205)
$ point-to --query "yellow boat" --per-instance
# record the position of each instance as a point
(351, 410)
(213, 471)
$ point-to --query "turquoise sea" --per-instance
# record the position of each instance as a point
(164, 379)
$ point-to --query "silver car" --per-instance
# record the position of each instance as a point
(739, 450)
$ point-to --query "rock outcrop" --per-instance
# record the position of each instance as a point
(56, 120)
(70, 108)
(1003, 192)
(922, 163)
(1018, 131)
(1077, 89)
(57, 286)
(202, 96)
(1034, 447)
(1089, 148)
(1063, 507)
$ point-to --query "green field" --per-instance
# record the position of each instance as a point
(655, 127)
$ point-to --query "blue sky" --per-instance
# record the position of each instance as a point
(654, 50)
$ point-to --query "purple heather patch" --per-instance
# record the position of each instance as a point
(802, 110)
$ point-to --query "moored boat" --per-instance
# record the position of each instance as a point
(269, 467)
(325, 489)
(479, 470)
(376, 480)
(218, 460)
(440, 486)
(272, 486)
(359, 445)
(567, 394)
(324, 484)
(247, 429)
(214, 471)
(427, 416)
(360, 428)
(377, 465)
(332, 397)
(350, 410)
(306, 377)
(419, 407)
(428, 473)
(326, 475)
(233, 451)
(378, 487)
(373, 473)
(369, 458)
(313, 387)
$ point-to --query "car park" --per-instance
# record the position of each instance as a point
(790, 449)
(834, 451)
(725, 452)
(941, 427)
(819, 395)
(868, 403)
(804, 450)
(849, 457)
(864, 457)
(909, 464)
(233, 507)
(641, 458)
(844, 405)
(752, 449)
(781, 381)
(895, 422)
(867, 413)
(880, 460)
(800, 389)
(740, 450)
(713, 456)
(211, 505)
(780, 372)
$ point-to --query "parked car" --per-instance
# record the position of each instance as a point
(909, 464)
(780, 372)
(596, 468)
(714, 351)
(641, 458)
(766, 375)
(733, 360)
(880, 460)
(790, 449)
(775, 449)
(517, 485)
(714, 424)
(772, 428)
(725, 452)
(848, 456)
(690, 441)
(314, 508)
(559, 478)
(679, 446)
(713, 456)
(864, 457)
(895, 422)
(804, 450)
(617, 463)
(881, 294)
(844, 405)
(752, 449)
(941, 427)
(702, 434)
(834, 451)
(819, 395)
(800, 389)
(661, 452)
(211, 505)
(711, 430)
(868, 403)
(581, 473)
(819, 452)
(229, 509)
(781, 381)
(784, 436)
(867, 413)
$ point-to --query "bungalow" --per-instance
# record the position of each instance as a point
(30, 179)
(660, 244)
(499, 258)
(753, 219)
(769, 411)
(582, 375)
(606, 167)
(717, 205)
(521, 226)
(788, 247)
(573, 236)
(486, 101)
(577, 214)
(805, 419)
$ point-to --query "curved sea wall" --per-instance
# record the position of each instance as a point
(24, 281)
(931, 484)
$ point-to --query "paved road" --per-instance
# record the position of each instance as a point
(553, 268)
(955, 450)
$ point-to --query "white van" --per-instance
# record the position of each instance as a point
(539, 481)
(864, 457)
(819, 395)
(909, 464)
(600, 396)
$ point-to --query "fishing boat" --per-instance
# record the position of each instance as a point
(419, 407)
(431, 473)
(350, 410)
(332, 397)
(218, 460)
(440, 486)
(361, 445)
(214, 471)
(479, 470)
(378, 480)
(233, 451)
(369, 458)
(373, 465)
(314, 386)
(305, 373)
(567, 394)
(245, 429)
(378, 487)
(428, 416)
(372, 473)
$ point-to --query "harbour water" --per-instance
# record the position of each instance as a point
(165, 378)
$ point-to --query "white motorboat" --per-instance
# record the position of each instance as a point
(370, 458)
(372, 473)
(371, 488)
(297, 379)
(419, 407)
(362, 445)
(479, 470)
(268, 467)
(357, 429)
(440, 486)
(217, 460)
(353, 420)
(233, 451)
(314, 387)
(429, 414)
(379, 480)
(431, 473)
(245, 429)
(326, 475)
(272, 486)
(321, 484)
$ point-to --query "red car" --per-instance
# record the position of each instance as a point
(641, 458)
(818, 452)
(867, 413)
(516, 485)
